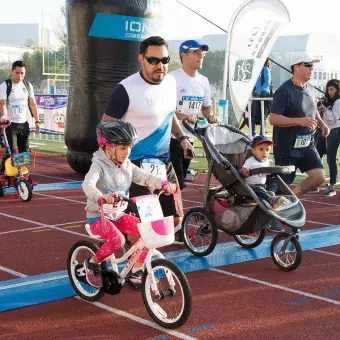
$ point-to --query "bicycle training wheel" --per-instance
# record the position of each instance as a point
(170, 305)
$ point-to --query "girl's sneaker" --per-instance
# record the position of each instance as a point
(329, 192)
(93, 273)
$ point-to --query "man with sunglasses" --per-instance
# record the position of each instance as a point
(147, 100)
(193, 97)
(294, 116)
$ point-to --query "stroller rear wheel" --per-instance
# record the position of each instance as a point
(250, 241)
(286, 251)
(199, 231)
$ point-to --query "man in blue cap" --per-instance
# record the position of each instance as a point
(193, 97)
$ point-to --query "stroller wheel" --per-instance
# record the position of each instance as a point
(286, 251)
(199, 231)
(250, 241)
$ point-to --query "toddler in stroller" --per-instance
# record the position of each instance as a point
(234, 207)
(260, 147)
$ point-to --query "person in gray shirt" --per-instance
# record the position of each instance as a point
(295, 117)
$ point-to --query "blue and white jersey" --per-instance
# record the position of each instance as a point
(150, 109)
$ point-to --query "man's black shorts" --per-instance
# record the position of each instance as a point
(304, 159)
(169, 207)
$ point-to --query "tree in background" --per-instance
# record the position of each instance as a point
(175, 61)
(213, 68)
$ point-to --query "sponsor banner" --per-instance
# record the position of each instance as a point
(52, 113)
(252, 32)
(113, 26)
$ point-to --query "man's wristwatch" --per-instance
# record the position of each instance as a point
(182, 138)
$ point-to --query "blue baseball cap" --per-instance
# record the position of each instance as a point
(192, 45)
(260, 140)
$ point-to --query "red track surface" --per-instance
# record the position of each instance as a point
(224, 306)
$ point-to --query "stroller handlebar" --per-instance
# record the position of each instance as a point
(273, 170)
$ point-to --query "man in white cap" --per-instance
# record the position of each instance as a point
(294, 116)
(193, 96)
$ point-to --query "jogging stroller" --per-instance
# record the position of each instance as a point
(234, 208)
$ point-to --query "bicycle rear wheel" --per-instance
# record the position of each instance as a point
(80, 252)
(170, 306)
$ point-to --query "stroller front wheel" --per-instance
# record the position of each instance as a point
(199, 231)
(286, 251)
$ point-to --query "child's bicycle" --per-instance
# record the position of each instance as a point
(13, 170)
(165, 289)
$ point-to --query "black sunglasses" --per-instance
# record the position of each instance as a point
(309, 65)
(155, 61)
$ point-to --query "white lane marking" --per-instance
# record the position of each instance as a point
(33, 282)
(34, 228)
(46, 225)
(273, 285)
(323, 203)
(13, 272)
(64, 179)
(60, 198)
(139, 320)
(326, 252)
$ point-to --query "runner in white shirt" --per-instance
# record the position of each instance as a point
(193, 96)
(16, 108)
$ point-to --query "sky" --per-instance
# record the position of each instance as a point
(179, 22)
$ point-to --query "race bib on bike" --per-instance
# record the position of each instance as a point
(191, 104)
(302, 141)
(155, 167)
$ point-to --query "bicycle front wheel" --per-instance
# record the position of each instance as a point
(170, 303)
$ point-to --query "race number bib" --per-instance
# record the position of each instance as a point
(155, 167)
(191, 104)
(302, 141)
(18, 110)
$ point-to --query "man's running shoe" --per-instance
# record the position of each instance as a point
(178, 238)
(93, 273)
(329, 192)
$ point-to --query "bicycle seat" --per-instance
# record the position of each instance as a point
(88, 230)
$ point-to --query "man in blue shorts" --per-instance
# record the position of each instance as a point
(147, 100)
(294, 116)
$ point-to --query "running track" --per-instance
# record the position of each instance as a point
(249, 298)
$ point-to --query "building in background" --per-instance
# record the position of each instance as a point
(11, 53)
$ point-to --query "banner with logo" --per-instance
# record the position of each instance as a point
(252, 32)
(51, 112)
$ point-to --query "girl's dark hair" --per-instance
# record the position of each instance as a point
(151, 41)
(330, 101)
(18, 63)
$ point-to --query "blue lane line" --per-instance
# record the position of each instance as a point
(200, 328)
(49, 186)
(53, 286)
(298, 301)
(332, 293)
